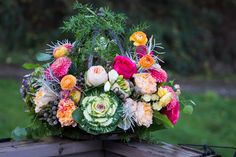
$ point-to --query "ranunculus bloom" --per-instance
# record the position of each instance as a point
(64, 113)
(59, 68)
(143, 114)
(124, 66)
(159, 74)
(142, 51)
(146, 61)
(68, 82)
(96, 76)
(139, 38)
(43, 97)
(172, 109)
(145, 83)
(62, 50)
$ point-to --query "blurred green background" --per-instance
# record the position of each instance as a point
(198, 36)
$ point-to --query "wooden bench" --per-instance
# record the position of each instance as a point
(93, 148)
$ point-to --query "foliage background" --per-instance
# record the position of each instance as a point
(199, 36)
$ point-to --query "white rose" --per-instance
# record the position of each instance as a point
(43, 97)
(96, 75)
(113, 75)
(107, 86)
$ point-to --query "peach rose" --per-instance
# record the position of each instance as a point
(145, 83)
(68, 82)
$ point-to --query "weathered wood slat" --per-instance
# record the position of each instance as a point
(92, 148)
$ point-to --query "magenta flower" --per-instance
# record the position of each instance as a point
(124, 66)
(142, 51)
(172, 109)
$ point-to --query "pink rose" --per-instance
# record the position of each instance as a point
(124, 66)
(172, 109)
(142, 51)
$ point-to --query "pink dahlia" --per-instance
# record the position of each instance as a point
(172, 109)
(159, 74)
(142, 51)
(124, 66)
(59, 67)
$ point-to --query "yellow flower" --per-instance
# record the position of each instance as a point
(162, 91)
(75, 95)
(139, 38)
(165, 98)
(68, 82)
(60, 51)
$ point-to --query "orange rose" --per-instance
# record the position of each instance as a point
(146, 61)
(139, 38)
(68, 82)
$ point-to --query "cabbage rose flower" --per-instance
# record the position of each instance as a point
(96, 75)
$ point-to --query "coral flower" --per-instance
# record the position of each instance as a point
(68, 82)
(146, 61)
(139, 38)
(144, 83)
(64, 113)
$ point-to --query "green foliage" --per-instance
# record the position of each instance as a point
(29, 66)
(188, 109)
(96, 33)
(162, 119)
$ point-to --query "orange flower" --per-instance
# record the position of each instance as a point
(64, 113)
(60, 51)
(68, 82)
(139, 38)
(146, 61)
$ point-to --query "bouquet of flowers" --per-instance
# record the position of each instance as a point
(109, 80)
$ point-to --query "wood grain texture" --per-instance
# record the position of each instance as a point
(93, 148)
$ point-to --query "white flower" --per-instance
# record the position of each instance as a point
(107, 86)
(96, 75)
(146, 97)
(113, 75)
(43, 97)
(129, 108)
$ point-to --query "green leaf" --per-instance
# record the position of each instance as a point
(163, 119)
(192, 102)
(19, 134)
(77, 115)
(188, 109)
(29, 66)
(43, 57)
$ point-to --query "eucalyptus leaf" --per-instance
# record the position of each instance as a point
(43, 57)
(30, 66)
(19, 134)
(77, 115)
(188, 109)
(164, 119)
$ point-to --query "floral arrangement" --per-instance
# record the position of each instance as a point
(109, 80)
